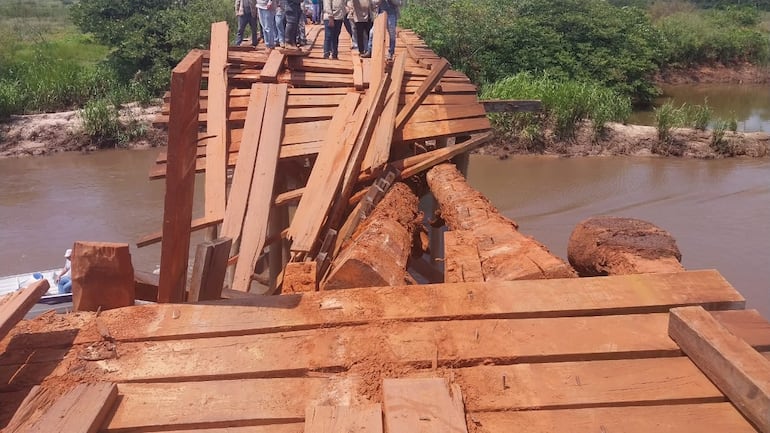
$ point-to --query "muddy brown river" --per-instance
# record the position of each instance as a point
(719, 211)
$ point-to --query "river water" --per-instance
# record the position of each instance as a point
(719, 211)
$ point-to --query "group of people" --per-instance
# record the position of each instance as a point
(282, 22)
(357, 16)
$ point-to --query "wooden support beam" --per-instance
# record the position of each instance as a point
(209, 270)
(180, 178)
(82, 410)
(461, 258)
(102, 276)
(14, 306)
(505, 253)
(424, 405)
(510, 106)
(216, 124)
(380, 247)
(195, 225)
(732, 364)
(261, 194)
(339, 419)
(358, 71)
(326, 176)
(419, 95)
(273, 67)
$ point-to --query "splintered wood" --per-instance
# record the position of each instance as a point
(313, 133)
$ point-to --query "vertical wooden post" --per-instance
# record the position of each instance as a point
(180, 177)
(209, 270)
(279, 220)
(462, 160)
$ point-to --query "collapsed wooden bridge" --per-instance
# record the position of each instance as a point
(673, 352)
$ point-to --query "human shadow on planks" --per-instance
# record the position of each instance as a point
(27, 361)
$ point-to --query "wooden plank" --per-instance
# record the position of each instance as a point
(273, 67)
(82, 410)
(244, 172)
(695, 418)
(379, 151)
(358, 72)
(14, 306)
(572, 385)
(167, 406)
(277, 428)
(438, 129)
(338, 419)
(453, 343)
(424, 405)
(261, 195)
(209, 270)
(377, 64)
(629, 294)
(461, 258)
(325, 178)
(195, 225)
(180, 178)
(731, 363)
(510, 106)
(216, 124)
(436, 73)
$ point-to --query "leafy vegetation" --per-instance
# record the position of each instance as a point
(102, 123)
(566, 105)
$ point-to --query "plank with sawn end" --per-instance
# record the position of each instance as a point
(82, 410)
(561, 385)
(627, 294)
(219, 404)
(272, 68)
(14, 306)
(180, 181)
(216, 124)
(261, 193)
(341, 419)
(730, 362)
(687, 418)
(324, 179)
(244, 168)
(423, 405)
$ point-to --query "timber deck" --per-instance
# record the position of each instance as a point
(667, 353)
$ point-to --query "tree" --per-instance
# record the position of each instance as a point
(148, 37)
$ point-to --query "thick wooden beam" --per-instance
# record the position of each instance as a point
(209, 270)
(629, 294)
(339, 419)
(180, 178)
(731, 363)
(273, 67)
(261, 194)
(510, 106)
(424, 405)
(378, 152)
(216, 124)
(15, 305)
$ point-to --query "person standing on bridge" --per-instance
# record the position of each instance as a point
(334, 14)
(266, 9)
(393, 9)
(246, 11)
(280, 22)
(292, 15)
(363, 14)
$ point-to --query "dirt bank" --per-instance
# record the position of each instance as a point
(744, 73)
(619, 139)
(41, 134)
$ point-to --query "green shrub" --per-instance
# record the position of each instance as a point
(103, 125)
(666, 118)
(566, 105)
(718, 142)
(696, 116)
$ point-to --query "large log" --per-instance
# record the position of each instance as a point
(608, 245)
(380, 247)
(505, 253)
(102, 276)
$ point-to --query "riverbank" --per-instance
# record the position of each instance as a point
(744, 73)
(47, 133)
(638, 140)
